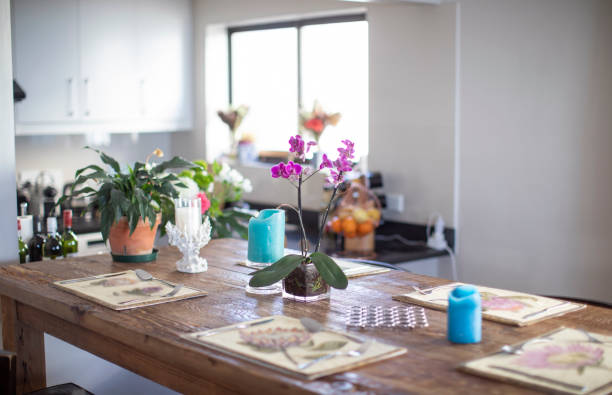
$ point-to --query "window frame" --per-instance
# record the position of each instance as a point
(296, 23)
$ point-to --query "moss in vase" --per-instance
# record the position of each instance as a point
(305, 281)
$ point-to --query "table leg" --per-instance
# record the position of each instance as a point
(28, 343)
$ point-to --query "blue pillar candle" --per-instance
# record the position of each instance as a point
(266, 237)
(464, 315)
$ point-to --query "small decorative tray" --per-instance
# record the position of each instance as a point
(284, 344)
(124, 290)
(507, 307)
(568, 361)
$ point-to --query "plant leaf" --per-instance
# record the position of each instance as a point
(330, 271)
(175, 163)
(276, 272)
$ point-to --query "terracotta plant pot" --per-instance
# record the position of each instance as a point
(139, 243)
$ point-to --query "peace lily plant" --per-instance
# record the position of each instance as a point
(136, 196)
(297, 175)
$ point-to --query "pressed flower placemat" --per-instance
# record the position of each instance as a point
(507, 307)
(569, 361)
(124, 290)
(283, 344)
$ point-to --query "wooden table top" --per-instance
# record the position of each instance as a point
(427, 367)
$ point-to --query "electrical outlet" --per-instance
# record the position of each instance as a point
(395, 202)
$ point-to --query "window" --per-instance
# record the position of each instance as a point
(276, 69)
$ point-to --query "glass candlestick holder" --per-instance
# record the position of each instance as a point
(266, 245)
(189, 235)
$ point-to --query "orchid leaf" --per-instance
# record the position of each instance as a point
(329, 270)
(276, 272)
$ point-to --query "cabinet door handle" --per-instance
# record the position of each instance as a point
(70, 101)
(86, 96)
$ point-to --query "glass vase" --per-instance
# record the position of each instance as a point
(305, 284)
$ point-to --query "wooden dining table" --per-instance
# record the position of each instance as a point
(148, 340)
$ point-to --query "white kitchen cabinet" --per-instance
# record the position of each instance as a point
(164, 57)
(46, 60)
(109, 76)
(103, 65)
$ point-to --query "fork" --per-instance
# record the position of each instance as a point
(428, 291)
(144, 275)
(351, 353)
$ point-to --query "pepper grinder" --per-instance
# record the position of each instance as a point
(464, 315)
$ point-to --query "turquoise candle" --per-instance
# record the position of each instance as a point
(464, 315)
(267, 236)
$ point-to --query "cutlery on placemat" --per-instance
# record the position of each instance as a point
(168, 295)
(230, 328)
(518, 349)
(144, 275)
(314, 326)
(545, 310)
(78, 280)
(574, 387)
(428, 291)
(352, 353)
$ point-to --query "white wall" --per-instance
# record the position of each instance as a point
(8, 201)
(411, 92)
(412, 85)
(536, 146)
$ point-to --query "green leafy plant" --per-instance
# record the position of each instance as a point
(222, 185)
(297, 175)
(142, 191)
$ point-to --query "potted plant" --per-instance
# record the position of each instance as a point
(308, 276)
(133, 202)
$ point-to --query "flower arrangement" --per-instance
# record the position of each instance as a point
(295, 269)
(317, 120)
(140, 193)
(217, 185)
(233, 117)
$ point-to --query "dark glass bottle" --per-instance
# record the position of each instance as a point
(35, 245)
(23, 247)
(70, 244)
(52, 249)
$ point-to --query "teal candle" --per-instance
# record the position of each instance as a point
(267, 236)
(464, 315)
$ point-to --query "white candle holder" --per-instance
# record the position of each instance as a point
(190, 242)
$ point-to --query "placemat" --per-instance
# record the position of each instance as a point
(282, 343)
(565, 361)
(507, 307)
(350, 269)
(124, 290)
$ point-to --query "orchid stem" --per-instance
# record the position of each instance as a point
(303, 244)
(331, 199)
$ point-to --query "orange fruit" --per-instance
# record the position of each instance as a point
(336, 225)
(349, 226)
(364, 228)
(350, 235)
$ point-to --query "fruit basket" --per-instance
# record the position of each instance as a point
(356, 218)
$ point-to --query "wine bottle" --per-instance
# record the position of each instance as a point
(52, 249)
(35, 245)
(24, 254)
(70, 243)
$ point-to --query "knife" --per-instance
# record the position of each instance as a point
(231, 328)
(544, 310)
(78, 280)
(570, 386)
